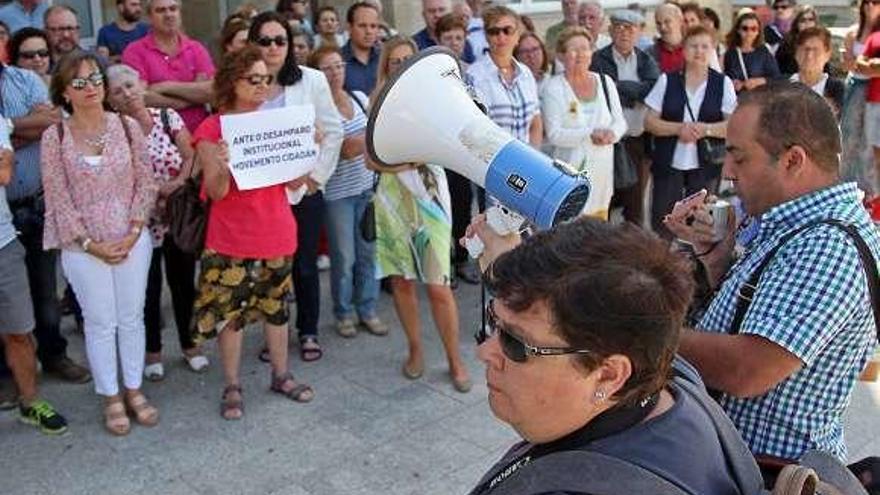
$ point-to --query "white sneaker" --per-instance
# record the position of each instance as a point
(323, 262)
(197, 363)
(154, 372)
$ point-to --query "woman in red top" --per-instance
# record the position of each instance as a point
(251, 238)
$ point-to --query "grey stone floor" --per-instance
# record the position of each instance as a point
(368, 431)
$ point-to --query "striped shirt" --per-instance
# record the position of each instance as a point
(20, 91)
(351, 176)
(813, 301)
(511, 106)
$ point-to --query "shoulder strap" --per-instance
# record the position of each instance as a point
(687, 99)
(358, 101)
(125, 128)
(605, 90)
(746, 293)
(742, 63)
(583, 471)
(166, 122)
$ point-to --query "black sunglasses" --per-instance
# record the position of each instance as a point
(33, 54)
(257, 79)
(513, 347)
(266, 41)
(495, 31)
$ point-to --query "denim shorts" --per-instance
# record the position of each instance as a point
(16, 310)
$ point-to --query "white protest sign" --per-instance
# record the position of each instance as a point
(270, 147)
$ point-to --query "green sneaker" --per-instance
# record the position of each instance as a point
(42, 415)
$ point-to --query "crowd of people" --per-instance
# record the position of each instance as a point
(95, 142)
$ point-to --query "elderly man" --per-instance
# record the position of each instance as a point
(569, 19)
(635, 73)
(126, 29)
(578, 348)
(360, 52)
(668, 49)
(62, 29)
(23, 13)
(177, 69)
(432, 11)
(592, 17)
(791, 324)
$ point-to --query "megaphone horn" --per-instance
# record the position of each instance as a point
(425, 114)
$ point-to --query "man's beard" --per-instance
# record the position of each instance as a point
(131, 17)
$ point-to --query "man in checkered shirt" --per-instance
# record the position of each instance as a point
(788, 374)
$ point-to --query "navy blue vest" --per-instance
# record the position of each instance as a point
(674, 109)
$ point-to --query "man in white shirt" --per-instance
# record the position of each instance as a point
(592, 17)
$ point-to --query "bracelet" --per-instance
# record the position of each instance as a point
(86, 243)
(704, 253)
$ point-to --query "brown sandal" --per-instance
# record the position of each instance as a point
(142, 411)
(299, 393)
(115, 420)
(228, 405)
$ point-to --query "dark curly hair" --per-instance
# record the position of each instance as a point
(20, 37)
(232, 67)
(613, 289)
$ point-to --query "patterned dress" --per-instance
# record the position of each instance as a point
(414, 225)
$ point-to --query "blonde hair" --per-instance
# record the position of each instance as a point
(569, 33)
(389, 46)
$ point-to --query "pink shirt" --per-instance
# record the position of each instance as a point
(257, 223)
(191, 63)
(95, 201)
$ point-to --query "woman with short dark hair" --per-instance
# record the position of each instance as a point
(29, 49)
(812, 52)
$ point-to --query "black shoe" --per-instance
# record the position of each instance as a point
(468, 273)
(65, 369)
(42, 415)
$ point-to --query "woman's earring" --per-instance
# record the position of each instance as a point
(600, 395)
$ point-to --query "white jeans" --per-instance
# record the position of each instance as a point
(112, 300)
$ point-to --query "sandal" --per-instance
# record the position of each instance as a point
(228, 405)
(115, 420)
(264, 355)
(309, 349)
(145, 414)
(197, 363)
(299, 393)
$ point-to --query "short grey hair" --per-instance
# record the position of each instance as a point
(148, 5)
(119, 71)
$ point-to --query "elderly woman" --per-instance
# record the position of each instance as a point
(413, 235)
(349, 191)
(812, 52)
(748, 61)
(99, 190)
(684, 107)
(294, 85)
(583, 117)
(506, 86)
(806, 17)
(247, 262)
(585, 323)
(170, 155)
(29, 49)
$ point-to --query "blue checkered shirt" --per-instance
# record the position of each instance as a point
(511, 106)
(813, 301)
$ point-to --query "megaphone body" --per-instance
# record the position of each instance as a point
(425, 113)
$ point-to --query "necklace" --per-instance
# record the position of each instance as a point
(96, 142)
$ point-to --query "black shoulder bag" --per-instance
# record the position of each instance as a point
(626, 173)
(368, 220)
(710, 150)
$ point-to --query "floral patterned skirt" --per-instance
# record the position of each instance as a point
(241, 291)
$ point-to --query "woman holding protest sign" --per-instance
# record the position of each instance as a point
(294, 85)
(251, 239)
(171, 154)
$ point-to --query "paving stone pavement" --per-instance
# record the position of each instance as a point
(368, 431)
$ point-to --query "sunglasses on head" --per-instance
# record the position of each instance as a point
(495, 31)
(95, 78)
(257, 79)
(514, 347)
(266, 41)
(33, 54)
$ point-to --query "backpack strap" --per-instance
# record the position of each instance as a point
(746, 293)
(583, 471)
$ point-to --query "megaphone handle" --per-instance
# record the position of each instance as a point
(502, 221)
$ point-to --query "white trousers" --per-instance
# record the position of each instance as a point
(112, 300)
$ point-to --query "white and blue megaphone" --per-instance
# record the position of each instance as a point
(425, 114)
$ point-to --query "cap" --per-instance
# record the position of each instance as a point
(626, 16)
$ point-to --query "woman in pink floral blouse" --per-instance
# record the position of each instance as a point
(99, 191)
(171, 155)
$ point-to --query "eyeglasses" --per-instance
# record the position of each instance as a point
(495, 31)
(513, 347)
(749, 29)
(813, 19)
(872, 2)
(95, 78)
(266, 41)
(33, 54)
(63, 29)
(338, 66)
(257, 79)
(781, 7)
(529, 51)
